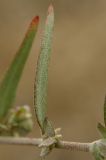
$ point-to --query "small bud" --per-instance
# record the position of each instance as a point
(20, 120)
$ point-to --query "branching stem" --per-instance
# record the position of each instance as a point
(74, 146)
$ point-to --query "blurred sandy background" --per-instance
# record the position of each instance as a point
(77, 74)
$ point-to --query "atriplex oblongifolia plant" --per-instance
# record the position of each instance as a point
(18, 122)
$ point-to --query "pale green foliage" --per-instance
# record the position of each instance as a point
(98, 148)
(101, 128)
(105, 111)
(41, 83)
(42, 72)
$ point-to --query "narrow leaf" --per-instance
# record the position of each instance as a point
(48, 128)
(105, 111)
(10, 82)
(102, 130)
(42, 71)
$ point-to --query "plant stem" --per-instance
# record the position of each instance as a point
(74, 146)
(20, 141)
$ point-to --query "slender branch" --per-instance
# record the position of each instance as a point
(76, 146)
(20, 141)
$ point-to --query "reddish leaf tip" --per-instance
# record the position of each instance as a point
(35, 21)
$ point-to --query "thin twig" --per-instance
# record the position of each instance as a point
(20, 141)
(76, 146)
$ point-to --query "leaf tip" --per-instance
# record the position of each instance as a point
(50, 9)
(35, 21)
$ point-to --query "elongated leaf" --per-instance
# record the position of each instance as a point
(42, 71)
(10, 82)
(105, 111)
(102, 130)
